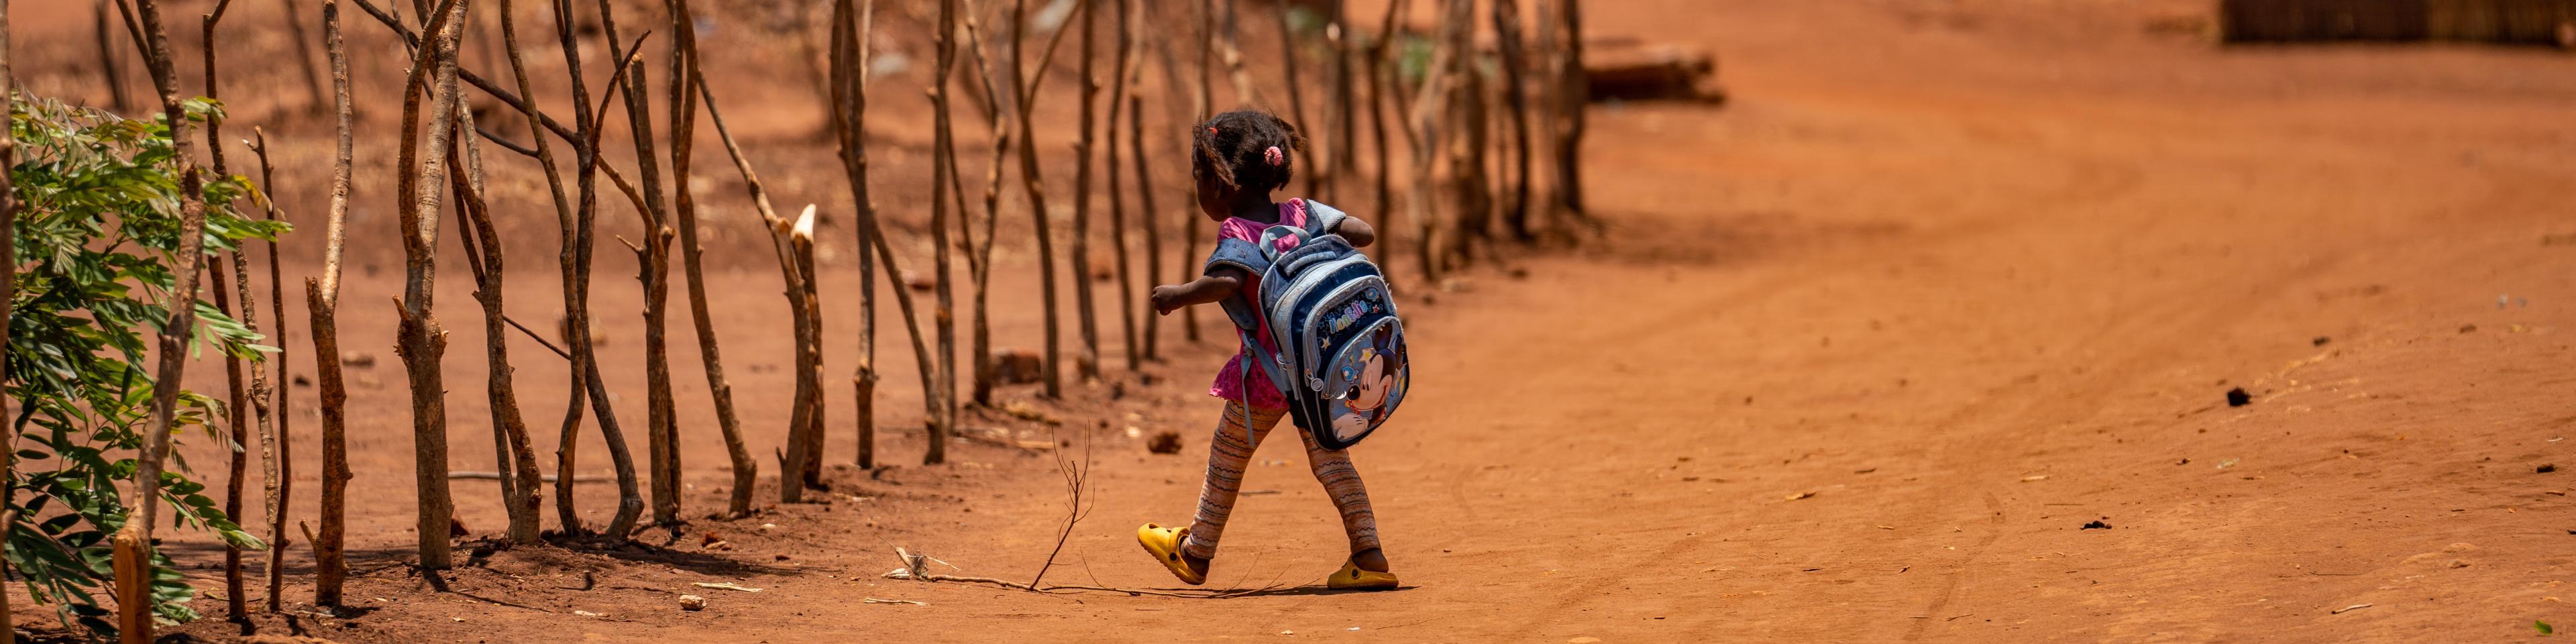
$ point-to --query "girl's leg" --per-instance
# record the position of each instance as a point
(1228, 454)
(1341, 481)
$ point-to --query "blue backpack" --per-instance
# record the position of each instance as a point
(1341, 360)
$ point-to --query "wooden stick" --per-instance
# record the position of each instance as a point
(1507, 33)
(979, 256)
(259, 408)
(848, 79)
(132, 542)
(521, 496)
(1424, 122)
(236, 456)
(1296, 96)
(285, 475)
(110, 59)
(577, 300)
(685, 83)
(322, 301)
(1077, 481)
(802, 452)
(1033, 183)
(1381, 82)
(134, 32)
(422, 343)
(943, 179)
(791, 261)
(1206, 110)
(653, 270)
(934, 408)
(1468, 179)
(1086, 361)
(1571, 99)
(1118, 88)
(568, 257)
(236, 601)
(512, 448)
(790, 491)
(304, 60)
(1231, 49)
(1345, 125)
(1145, 207)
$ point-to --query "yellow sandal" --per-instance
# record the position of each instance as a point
(1353, 578)
(1165, 544)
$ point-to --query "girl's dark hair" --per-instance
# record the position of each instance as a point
(1235, 148)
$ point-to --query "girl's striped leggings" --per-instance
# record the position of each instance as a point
(1227, 457)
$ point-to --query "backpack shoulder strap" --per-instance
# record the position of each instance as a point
(1244, 256)
(1239, 254)
(1320, 218)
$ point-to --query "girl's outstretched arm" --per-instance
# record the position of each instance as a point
(1204, 290)
(1355, 231)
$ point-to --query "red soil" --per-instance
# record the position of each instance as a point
(1861, 353)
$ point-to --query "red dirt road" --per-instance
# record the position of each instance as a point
(1862, 353)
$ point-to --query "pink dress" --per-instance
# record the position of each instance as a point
(1230, 381)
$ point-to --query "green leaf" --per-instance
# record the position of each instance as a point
(97, 239)
(2543, 627)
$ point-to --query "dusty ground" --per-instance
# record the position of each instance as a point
(1862, 353)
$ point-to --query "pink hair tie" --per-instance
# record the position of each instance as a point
(1274, 155)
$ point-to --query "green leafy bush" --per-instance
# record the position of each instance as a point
(98, 237)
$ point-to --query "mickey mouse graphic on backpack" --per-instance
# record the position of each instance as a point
(1377, 381)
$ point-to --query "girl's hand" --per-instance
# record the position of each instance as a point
(1167, 298)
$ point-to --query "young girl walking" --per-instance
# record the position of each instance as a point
(1238, 159)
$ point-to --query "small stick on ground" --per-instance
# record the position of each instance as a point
(1077, 480)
